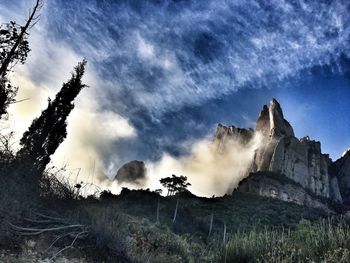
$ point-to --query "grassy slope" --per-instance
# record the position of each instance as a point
(125, 225)
(241, 211)
(123, 228)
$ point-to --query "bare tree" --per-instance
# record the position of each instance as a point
(14, 48)
(14, 54)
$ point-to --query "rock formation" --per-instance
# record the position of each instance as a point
(132, 172)
(275, 185)
(341, 170)
(272, 123)
(301, 161)
(224, 134)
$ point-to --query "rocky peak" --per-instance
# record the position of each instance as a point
(346, 153)
(271, 121)
(301, 161)
(279, 127)
(263, 122)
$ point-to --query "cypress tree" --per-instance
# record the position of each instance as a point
(48, 131)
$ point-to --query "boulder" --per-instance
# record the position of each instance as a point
(132, 172)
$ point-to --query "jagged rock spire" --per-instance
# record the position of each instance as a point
(271, 121)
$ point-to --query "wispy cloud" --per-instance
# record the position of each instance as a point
(191, 52)
(155, 65)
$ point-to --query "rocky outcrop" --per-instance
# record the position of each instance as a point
(341, 170)
(278, 186)
(301, 161)
(224, 133)
(132, 172)
(277, 124)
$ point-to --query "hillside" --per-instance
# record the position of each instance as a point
(125, 227)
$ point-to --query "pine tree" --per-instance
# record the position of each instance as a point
(175, 184)
(48, 131)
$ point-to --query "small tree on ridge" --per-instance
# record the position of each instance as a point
(175, 184)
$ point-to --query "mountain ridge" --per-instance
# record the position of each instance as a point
(300, 160)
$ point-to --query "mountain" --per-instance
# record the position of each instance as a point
(289, 168)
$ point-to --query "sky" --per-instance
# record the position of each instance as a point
(163, 74)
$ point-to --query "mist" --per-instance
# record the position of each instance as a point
(210, 168)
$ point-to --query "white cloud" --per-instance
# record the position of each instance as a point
(210, 169)
(91, 129)
(145, 50)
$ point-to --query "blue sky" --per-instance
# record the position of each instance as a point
(174, 69)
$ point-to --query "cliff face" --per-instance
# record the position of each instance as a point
(278, 186)
(341, 170)
(299, 160)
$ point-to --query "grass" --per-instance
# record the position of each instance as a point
(323, 241)
(258, 229)
(125, 226)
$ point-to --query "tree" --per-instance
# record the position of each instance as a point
(48, 131)
(175, 184)
(14, 48)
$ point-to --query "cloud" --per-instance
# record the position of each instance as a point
(210, 169)
(91, 133)
(209, 50)
(92, 129)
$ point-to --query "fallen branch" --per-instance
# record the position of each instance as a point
(67, 247)
(43, 230)
(42, 224)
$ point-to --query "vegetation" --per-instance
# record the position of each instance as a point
(14, 48)
(175, 184)
(49, 130)
(323, 241)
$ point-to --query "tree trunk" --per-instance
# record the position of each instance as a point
(158, 205)
(211, 223)
(175, 212)
(224, 239)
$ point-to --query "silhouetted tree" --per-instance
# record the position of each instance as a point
(175, 184)
(48, 131)
(14, 48)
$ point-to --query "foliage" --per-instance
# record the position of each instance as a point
(7, 94)
(14, 48)
(10, 34)
(175, 184)
(48, 131)
(324, 241)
